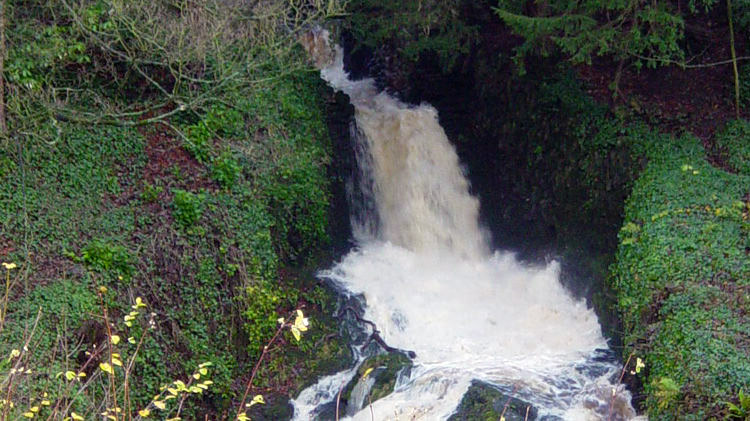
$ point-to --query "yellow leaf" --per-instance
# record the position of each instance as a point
(34, 409)
(28, 414)
(172, 391)
(206, 364)
(203, 371)
(45, 403)
(257, 399)
(160, 404)
(105, 367)
(9, 266)
(115, 339)
(196, 376)
(144, 413)
(367, 373)
(301, 322)
(138, 303)
(242, 417)
(296, 333)
(116, 362)
(639, 364)
(131, 340)
(70, 375)
(76, 417)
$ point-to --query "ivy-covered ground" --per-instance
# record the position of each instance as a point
(212, 232)
(682, 276)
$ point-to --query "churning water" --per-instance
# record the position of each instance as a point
(433, 286)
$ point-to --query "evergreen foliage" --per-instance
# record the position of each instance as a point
(648, 32)
(412, 28)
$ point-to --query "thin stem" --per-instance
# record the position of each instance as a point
(257, 365)
(734, 61)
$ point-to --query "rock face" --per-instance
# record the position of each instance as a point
(485, 402)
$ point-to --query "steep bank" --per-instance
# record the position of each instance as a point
(212, 232)
(682, 276)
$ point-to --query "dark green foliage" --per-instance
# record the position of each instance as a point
(65, 310)
(187, 207)
(681, 278)
(151, 193)
(197, 142)
(60, 193)
(647, 32)
(105, 257)
(208, 261)
(413, 28)
(226, 170)
(744, 75)
(734, 139)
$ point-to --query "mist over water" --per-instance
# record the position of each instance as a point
(432, 285)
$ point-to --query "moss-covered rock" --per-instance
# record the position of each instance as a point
(375, 379)
(484, 402)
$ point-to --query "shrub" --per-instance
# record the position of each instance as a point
(187, 207)
(735, 140)
(226, 170)
(104, 257)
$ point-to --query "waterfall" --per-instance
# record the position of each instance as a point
(432, 285)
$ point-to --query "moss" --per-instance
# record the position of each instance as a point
(385, 370)
(485, 402)
(681, 279)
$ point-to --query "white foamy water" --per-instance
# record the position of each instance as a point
(432, 286)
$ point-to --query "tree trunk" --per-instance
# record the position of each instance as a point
(2, 67)
(734, 61)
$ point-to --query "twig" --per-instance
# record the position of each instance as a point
(375, 336)
(338, 399)
(257, 365)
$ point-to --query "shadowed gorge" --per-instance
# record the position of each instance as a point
(431, 286)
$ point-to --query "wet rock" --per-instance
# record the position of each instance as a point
(379, 382)
(485, 402)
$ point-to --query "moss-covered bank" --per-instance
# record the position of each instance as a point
(212, 231)
(682, 276)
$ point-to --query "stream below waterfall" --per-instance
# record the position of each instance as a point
(432, 285)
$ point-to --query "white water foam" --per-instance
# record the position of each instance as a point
(431, 285)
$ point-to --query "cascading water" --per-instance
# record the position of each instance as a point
(432, 286)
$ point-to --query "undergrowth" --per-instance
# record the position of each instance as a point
(204, 229)
(681, 278)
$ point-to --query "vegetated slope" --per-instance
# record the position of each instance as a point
(682, 276)
(202, 229)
